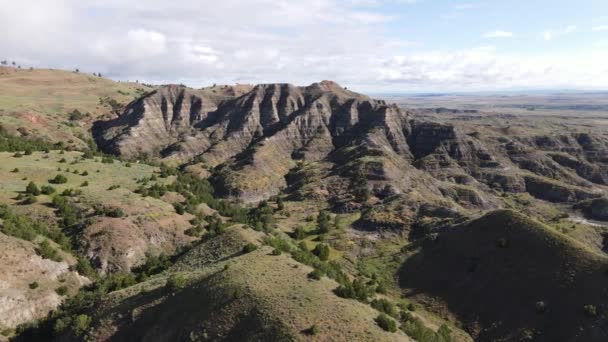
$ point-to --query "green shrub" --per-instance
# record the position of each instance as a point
(83, 266)
(18, 226)
(33, 285)
(84, 173)
(30, 199)
(250, 247)
(109, 211)
(63, 160)
(590, 310)
(107, 160)
(313, 330)
(28, 152)
(15, 170)
(47, 190)
(276, 252)
(385, 306)
(32, 189)
(59, 179)
(175, 282)
(18, 155)
(415, 329)
(84, 184)
(358, 289)
(299, 233)
(322, 251)
(323, 222)
(80, 324)
(179, 208)
(386, 323)
(114, 187)
(75, 115)
(62, 290)
(316, 274)
(46, 251)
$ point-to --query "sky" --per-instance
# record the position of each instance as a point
(374, 46)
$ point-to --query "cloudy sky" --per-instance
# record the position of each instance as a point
(368, 45)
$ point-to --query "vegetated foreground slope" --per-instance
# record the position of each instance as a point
(509, 277)
(230, 295)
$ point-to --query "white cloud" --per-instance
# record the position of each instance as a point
(600, 28)
(552, 34)
(263, 41)
(498, 34)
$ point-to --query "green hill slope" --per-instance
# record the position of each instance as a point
(508, 277)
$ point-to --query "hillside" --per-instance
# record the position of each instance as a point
(234, 296)
(38, 102)
(503, 263)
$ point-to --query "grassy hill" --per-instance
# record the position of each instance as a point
(228, 294)
(509, 277)
(39, 102)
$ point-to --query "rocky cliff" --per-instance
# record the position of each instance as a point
(254, 138)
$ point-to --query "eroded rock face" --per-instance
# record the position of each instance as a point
(256, 137)
(20, 268)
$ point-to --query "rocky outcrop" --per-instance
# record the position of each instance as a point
(28, 282)
(596, 209)
(254, 137)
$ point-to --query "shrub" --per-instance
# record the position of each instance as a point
(30, 199)
(179, 208)
(81, 324)
(250, 247)
(107, 160)
(280, 204)
(62, 290)
(323, 222)
(46, 251)
(18, 155)
(59, 179)
(15, 170)
(313, 330)
(33, 285)
(316, 274)
(62, 160)
(383, 305)
(83, 266)
(28, 152)
(358, 289)
(321, 251)
(590, 310)
(110, 211)
(75, 115)
(47, 190)
(276, 252)
(299, 233)
(415, 329)
(85, 183)
(114, 187)
(175, 282)
(84, 173)
(18, 226)
(386, 323)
